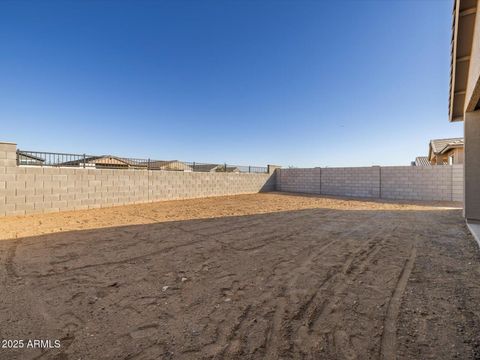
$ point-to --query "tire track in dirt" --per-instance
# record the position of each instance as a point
(311, 314)
(233, 344)
(119, 262)
(388, 350)
(273, 235)
(353, 267)
(10, 260)
(350, 271)
(225, 334)
(156, 350)
(156, 252)
(282, 281)
(308, 313)
(274, 337)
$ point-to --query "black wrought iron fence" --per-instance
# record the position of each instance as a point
(38, 158)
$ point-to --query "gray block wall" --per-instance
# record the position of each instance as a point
(33, 189)
(457, 183)
(299, 180)
(356, 182)
(391, 182)
(417, 182)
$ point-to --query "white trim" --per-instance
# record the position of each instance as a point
(475, 230)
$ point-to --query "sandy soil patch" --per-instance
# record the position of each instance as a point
(249, 277)
(204, 208)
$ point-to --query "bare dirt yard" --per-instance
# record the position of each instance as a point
(263, 276)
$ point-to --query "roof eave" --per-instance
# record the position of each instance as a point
(460, 59)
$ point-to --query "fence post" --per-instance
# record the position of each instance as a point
(249, 170)
(225, 167)
(148, 164)
(18, 157)
(84, 160)
(193, 167)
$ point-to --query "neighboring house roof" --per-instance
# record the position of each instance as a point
(422, 161)
(215, 168)
(205, 167)
(169, 165)
(453, 145)
(104, 160)
(175, 165)
(438, 145)
(233, 169)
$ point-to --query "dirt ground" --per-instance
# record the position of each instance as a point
(263, 276)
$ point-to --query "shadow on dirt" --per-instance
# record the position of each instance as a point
(314, 283)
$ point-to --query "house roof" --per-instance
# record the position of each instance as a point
(205, 167)
(422, 161)
(168, 164)
(463, 26)
(453, 145)
(214, 167)
(103, 160)
(160, 163)
(437, 146)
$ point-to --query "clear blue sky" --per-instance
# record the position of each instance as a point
(308, 83)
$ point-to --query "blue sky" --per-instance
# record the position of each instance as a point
(302, 83)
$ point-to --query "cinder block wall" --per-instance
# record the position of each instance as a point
(391, 182)
(417, 182)
(33, 189)
(457, 182)
(361, 181)
(299, 180)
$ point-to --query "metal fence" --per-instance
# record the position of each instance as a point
(38, 158)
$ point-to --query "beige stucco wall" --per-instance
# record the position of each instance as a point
(441, 159)
(472, 130)
(458, 156)
(33, 189)
(472, 166)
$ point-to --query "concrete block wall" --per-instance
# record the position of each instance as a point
(361, 181)
(417, 182)
(392, 182)
(34, 189)
(457, 182)
(299, 180)
(184, 185)
(357, 182)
